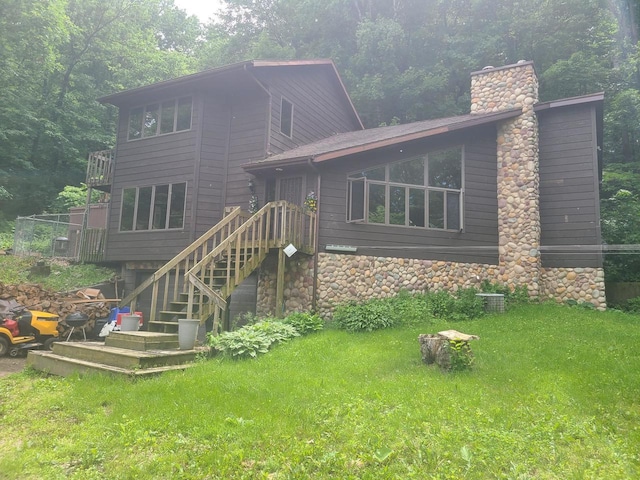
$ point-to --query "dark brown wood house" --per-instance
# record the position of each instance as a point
(507, 193)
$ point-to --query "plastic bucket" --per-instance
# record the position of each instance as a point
(130, 323)
(187, 333)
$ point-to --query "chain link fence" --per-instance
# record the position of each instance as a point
(47, 236)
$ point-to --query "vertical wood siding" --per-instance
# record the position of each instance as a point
(247, 143)
(318, 108)
(151, 161)
(569, 197)
(477, 243)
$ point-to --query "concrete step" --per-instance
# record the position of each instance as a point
(52, 363)
(97, 352)
(143, 340)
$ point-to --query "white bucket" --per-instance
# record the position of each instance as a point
(130, 323)
(187, 333)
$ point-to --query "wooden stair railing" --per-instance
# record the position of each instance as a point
(172, 272)
(213, 279)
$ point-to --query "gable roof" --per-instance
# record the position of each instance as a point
(349, 143)
(230, 73)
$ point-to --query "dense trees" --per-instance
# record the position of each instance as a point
(402, 60)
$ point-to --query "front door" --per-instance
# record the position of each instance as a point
(290, 189)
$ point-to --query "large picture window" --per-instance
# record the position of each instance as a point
(160, 118)
(425, 191)
(159, 207)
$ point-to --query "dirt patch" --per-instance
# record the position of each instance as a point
(9, 365)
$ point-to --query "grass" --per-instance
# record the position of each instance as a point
(553, 395)
(64, 276)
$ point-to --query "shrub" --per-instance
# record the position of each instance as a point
(275, 330)
(304, 323)
(251, 340)
(366, 317)
(241, 343)
(632, 305)
(409, 309)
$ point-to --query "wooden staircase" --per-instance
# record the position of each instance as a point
(198, 282)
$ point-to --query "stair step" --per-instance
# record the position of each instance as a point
(142, 340)
(97, 352)
(50, 362)
(161, 326)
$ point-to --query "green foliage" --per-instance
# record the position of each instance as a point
(631, 306)
(72, 196)
(64, 276)
(253, 339)
(408, 309)
(304, 322)
(621, 225)
(553, 394)
(461, 356)
(366, 317)
(464, 305)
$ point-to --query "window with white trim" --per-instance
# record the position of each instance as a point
(425, 192)
(160, 118)
(157, 207)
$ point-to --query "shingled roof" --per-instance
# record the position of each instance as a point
(349, 143)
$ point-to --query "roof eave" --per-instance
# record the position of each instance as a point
(113, 98)
(565, 102)
(484, 119)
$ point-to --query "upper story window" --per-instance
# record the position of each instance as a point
(422, 192)
(286, 117)
(160, 118)
(158, 207)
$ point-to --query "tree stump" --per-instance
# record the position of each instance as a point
(449, 349)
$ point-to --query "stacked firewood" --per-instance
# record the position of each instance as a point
(88, 301)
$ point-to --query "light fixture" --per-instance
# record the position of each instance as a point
(341, 248)
(252, 186)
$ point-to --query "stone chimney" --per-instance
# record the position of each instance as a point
(503, 88)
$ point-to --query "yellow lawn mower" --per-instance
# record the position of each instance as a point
(22, 329)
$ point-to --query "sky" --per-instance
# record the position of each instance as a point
(203, 9)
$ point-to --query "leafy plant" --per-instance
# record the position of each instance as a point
(632, 305)
(366, 317)
(304, 322)
(251, 340)
(461, 356)
(242, 343)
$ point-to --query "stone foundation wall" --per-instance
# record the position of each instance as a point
(298, 285)
(579, 284)
(343, 278)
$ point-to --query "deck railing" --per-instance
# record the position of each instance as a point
(170, 274)
(100, 168)
(217, 274)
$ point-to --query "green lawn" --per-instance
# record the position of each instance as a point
(555, 393)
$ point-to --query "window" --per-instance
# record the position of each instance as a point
(158, 207)
(160, 118)
(286, 117)
(421, 192)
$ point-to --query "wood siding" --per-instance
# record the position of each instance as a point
(318, 109)
(476, 243)
(152, 161)
(569, 185)
(247, 143)
(212, 171)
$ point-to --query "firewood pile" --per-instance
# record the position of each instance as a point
(89, 301)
